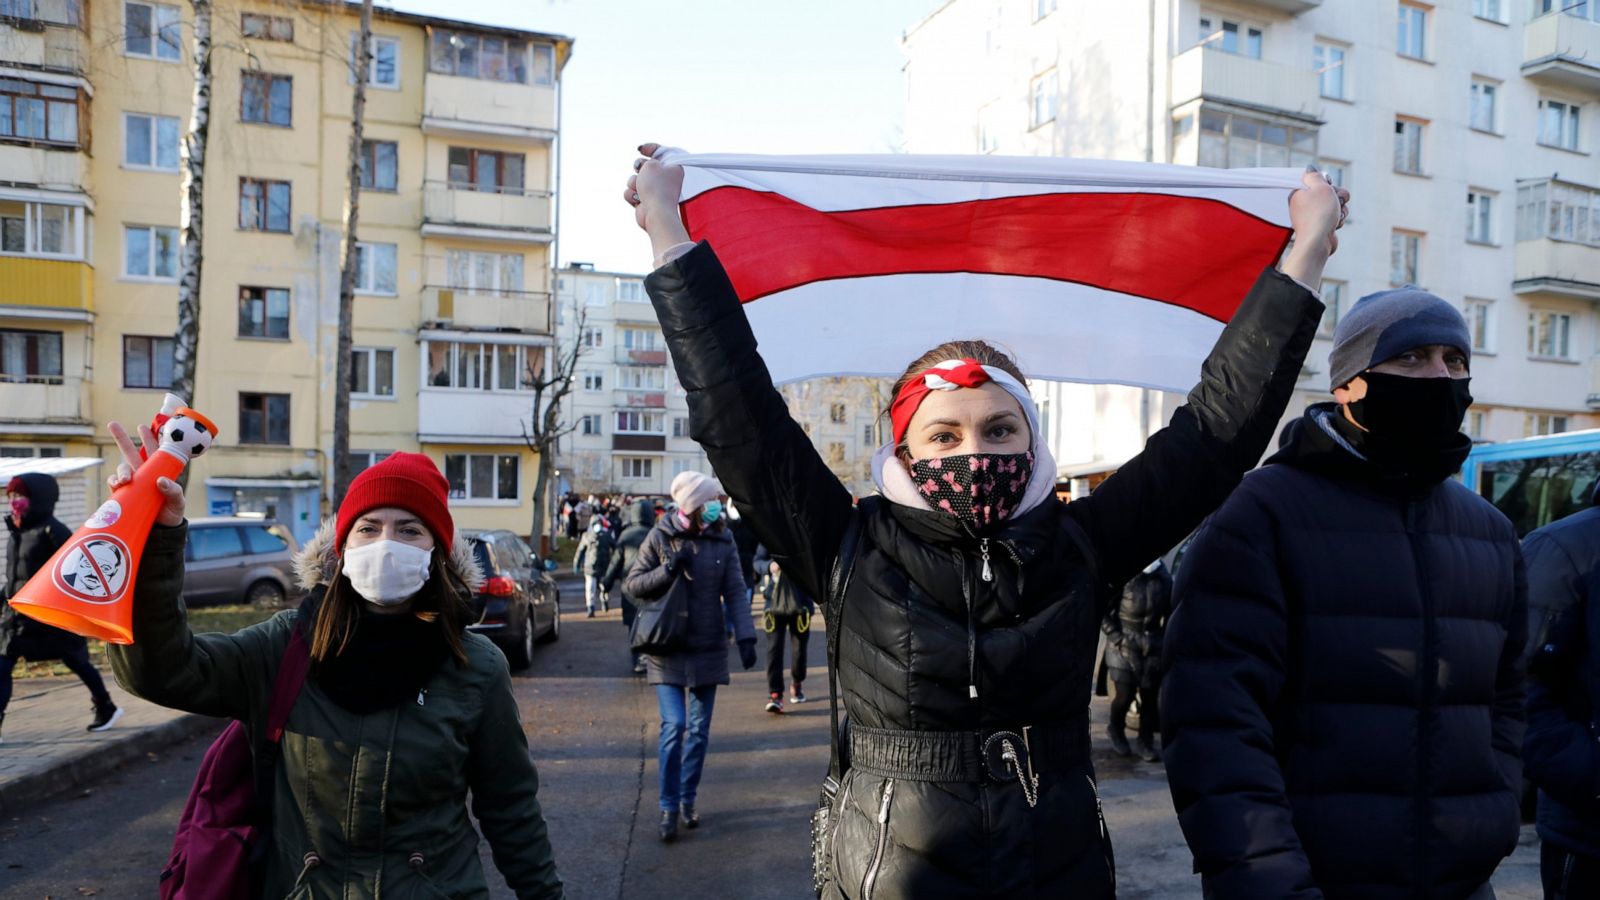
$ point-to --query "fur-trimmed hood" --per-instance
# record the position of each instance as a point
(316, 562)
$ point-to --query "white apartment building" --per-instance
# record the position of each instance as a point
(845, 419)
(1466, 129)
(631, 420)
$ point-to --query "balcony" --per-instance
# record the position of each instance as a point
(455, 210)
(639, 398)
(57, 289)
(472, 417)
(1557, 268)
(468, 107)
(639, 443)
(38, 407)
(468, 310)
(1562, 50)
(62, 166)
(1201, 73)
(1292, 7)
(49, 36)
(627, 357)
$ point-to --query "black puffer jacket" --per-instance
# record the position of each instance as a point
(923, 631)
(1342, 711)
(31, 545)
(637, 519)
(1562, 749)
(718, 602)
(1135, 627)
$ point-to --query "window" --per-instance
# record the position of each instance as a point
(868, 435)
(1329, 61)
(680, 466)
(489, 57)
(385, 69)
(266, 28)
(41, 229)
(371, 372)
(33, 111)
(30, 357)
(1230, 37)
(1484, 96)
(1480, 321)
(266, 99)
(1562, 212)
(1404, 249)
(641, 339)
(1408, 145)
(1558, 124)
(635, 467)
(1411, 36)
(263, 418)
(1536, 424)
(593, 338)
(1045, 93)
(485, 170)
(1232, 141)
(498, 274)
(263, 205)
(376, 269)
(594, 380)
(988, 129)
(150, 252)
(680, 427)
(264, 313)
(146, 362)
(648, 378)
(1337, 170)
(630, 291)
(215, 543)
(482, 476)
(150, 142)
(1480, 216)
(1549, 335)
(1042, 8)
(590, 424)
(151, 30)
(15, 452)
(1475, 423)
(1580, 9)
(836, 413)
(1494, 10)
(380, 165)
(1333, 305)
(362, 460)
(481, 366)
(631, 421)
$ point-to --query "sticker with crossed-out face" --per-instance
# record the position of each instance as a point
(95, 569)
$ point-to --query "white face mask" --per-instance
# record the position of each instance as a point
(387, 573)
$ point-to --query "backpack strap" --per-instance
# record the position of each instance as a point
(292, 671)
(843, 567)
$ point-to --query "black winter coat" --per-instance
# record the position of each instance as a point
(1562, 748)
(718, 602)
(30, 547)
(1135, 627)
(637, 519)
(927, 643)
(1342, 711)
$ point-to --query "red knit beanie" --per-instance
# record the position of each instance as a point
(408, 481)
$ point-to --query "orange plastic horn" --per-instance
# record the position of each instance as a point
(87, 587)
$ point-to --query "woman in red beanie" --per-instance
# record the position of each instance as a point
(402, 713)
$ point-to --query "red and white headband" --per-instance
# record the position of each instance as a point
(948, 376)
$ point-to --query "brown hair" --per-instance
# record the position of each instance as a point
(982, 351)
(443, 600)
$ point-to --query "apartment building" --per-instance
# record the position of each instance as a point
(457, 223)
(1467, 131)
(629, 416)
(846, 419)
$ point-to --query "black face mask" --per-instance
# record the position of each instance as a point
(1413, 424)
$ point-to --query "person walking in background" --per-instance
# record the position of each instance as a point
(35, 536)
(692, 543)
(1133, 657)
(591, 561)
(1343, 707)
(569, 512)
(638, 518)
(789, 610)
(1562, 747)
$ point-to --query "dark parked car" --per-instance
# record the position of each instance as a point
(238, 560)
(519, 603)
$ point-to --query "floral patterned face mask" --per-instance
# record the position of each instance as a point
(980, 489)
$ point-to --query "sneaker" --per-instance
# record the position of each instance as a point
(796, 695)
(105, 716)
(775, 703)
(591, 612)
(1119, 742)
(668, 829)
(691, 819)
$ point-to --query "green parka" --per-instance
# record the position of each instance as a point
(381, 799)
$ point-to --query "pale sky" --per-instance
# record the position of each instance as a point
(710, 76)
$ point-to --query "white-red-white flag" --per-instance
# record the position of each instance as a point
(1092, 271)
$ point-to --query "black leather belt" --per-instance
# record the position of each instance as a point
(971, 756)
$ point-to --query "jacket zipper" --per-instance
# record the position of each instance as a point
(1409, 511)
(972, 633)
(1105, 833)
(870, 880)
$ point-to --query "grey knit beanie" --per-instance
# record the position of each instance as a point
(1384, 325)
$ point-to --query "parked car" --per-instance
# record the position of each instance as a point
(519, 604)
(238, 560)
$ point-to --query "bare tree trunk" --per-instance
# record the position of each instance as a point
(545, 426)
(186, 343)
(347, 275)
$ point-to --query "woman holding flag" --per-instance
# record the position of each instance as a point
(974, 596)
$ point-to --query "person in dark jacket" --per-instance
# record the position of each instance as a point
(1133, 656)
(1562, 746)
(637, 517)
(692, 543)
(591, 561)
(36, 535)
(788, 615)
(963, 630)
(1343, 703)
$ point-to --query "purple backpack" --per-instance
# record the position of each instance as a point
(223, 822)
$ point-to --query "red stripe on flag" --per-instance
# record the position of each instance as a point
(1193, 252)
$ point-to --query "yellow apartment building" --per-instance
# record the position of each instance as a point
(456, 235)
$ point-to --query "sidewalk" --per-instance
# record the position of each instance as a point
(46, 749)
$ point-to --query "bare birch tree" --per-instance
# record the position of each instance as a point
(546, 426)
(186, 342)
(362, 63)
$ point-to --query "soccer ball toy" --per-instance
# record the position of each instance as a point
(186, 435)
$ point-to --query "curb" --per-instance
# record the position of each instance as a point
(28, 790)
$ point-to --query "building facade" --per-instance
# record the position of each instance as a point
(1467, 132)
(457, 225)
(847, 421)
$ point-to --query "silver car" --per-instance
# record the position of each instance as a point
(238, 560)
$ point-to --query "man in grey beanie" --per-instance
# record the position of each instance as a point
(1343, 711)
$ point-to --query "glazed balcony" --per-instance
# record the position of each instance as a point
(510, 214)
(1201, 73)
(1562, 50)
(46, 288)
(466, 309)
(48, 35)
(1292, 7)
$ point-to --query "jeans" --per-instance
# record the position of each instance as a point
(685, 731)
(76, 660)
(1567, 875)
(593, 593)
(798, 639)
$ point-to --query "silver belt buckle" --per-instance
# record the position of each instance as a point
(999, 755)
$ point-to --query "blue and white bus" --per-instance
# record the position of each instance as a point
(1537, 480)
